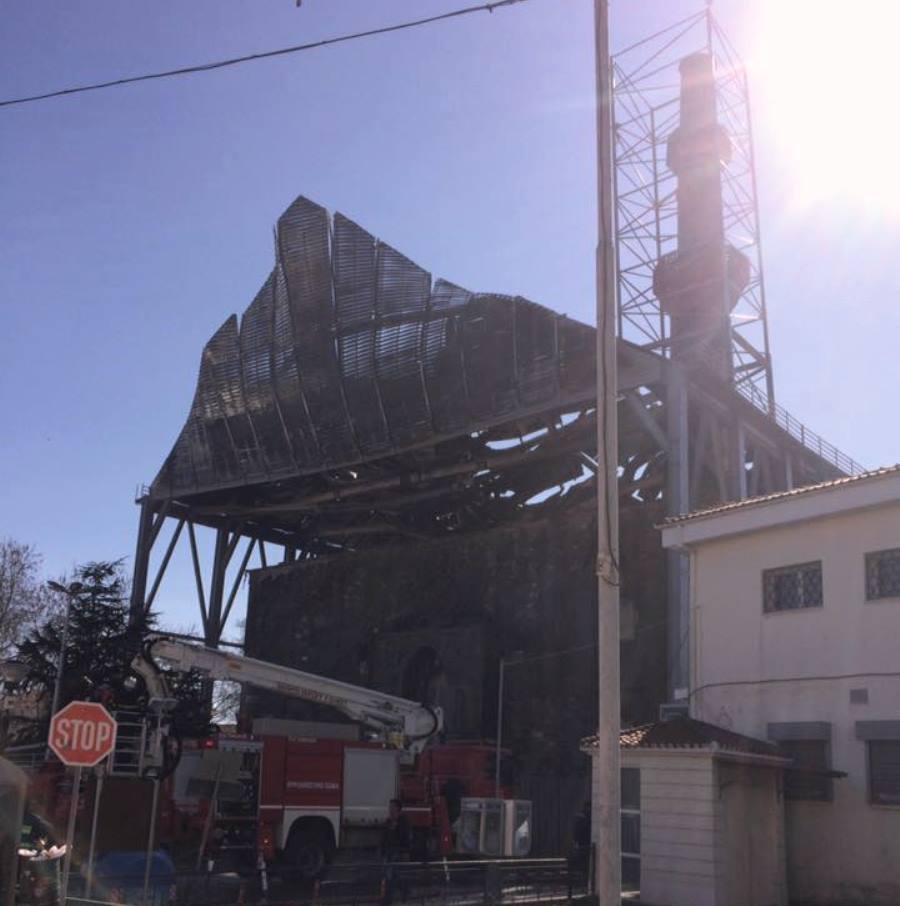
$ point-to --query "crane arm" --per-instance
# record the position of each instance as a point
(388, 714)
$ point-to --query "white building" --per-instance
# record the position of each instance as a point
(795, 638)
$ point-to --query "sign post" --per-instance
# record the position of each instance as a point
(81, 735)
(70, 834)
(99, 774)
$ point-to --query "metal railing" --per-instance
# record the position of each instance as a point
(442, 883)
(796, 429)
(127, 758)
(26, 757)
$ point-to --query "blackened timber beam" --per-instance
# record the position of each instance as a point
(635, 403)
(216, 519)
(373, 528)
(532, 452)
(395, 503)
(641, 484)
(570, 402)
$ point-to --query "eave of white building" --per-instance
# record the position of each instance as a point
(761, 513)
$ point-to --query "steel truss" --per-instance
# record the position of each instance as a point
(646, 103)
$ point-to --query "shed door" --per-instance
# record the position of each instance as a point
(750, 815)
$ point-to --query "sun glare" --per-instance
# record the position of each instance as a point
(824, 75)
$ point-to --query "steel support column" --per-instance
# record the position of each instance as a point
(213, 629)
(141, 562)
(678, 500)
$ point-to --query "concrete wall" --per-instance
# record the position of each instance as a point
(527, 587)
(751, 669)
(364, 617)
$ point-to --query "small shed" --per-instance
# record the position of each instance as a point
(702, 815)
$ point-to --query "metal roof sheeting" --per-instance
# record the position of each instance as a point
(349, 352)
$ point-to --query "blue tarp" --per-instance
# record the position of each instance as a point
(125, 871)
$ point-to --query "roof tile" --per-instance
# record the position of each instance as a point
(688, 733)
(779, 495)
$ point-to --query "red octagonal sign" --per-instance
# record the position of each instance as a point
(82, 734)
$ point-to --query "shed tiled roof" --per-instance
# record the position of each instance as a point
(780, 495)
(687, 733)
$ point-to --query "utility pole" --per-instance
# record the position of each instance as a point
(606, 829)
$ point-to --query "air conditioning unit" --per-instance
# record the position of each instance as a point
(670, 710)
(494, 827)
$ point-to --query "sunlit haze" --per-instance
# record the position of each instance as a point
(827, 82)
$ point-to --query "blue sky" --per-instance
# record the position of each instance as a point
(136, 220)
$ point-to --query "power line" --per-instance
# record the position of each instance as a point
(590, 646)
(264, 55)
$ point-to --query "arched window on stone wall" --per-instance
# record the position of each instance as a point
(419, 675)
(459, 710)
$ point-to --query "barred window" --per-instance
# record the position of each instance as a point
(884, 771)
(883, 574)
(807, 777)
(792, 587)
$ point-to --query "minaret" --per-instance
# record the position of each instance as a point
(699, 284)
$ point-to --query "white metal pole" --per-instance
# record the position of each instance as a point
(499, 728)
(606, 817)
(151, 841)
(70, 835)
(61, 658)
(99, 774)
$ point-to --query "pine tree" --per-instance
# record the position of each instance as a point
(101, 644)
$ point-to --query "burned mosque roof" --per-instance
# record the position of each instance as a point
(350, 352)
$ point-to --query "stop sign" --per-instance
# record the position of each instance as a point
(82, 734)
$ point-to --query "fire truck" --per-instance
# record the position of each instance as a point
(308, 791)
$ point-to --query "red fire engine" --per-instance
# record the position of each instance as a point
(306, 790)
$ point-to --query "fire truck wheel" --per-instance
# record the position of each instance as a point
(309, 851)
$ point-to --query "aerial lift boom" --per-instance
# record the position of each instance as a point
(397, 719)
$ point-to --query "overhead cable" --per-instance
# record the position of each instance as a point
(263, 55)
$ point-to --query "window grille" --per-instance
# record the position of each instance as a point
(883, 574)
(807, 778)
(792, 587)
(884, 771)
